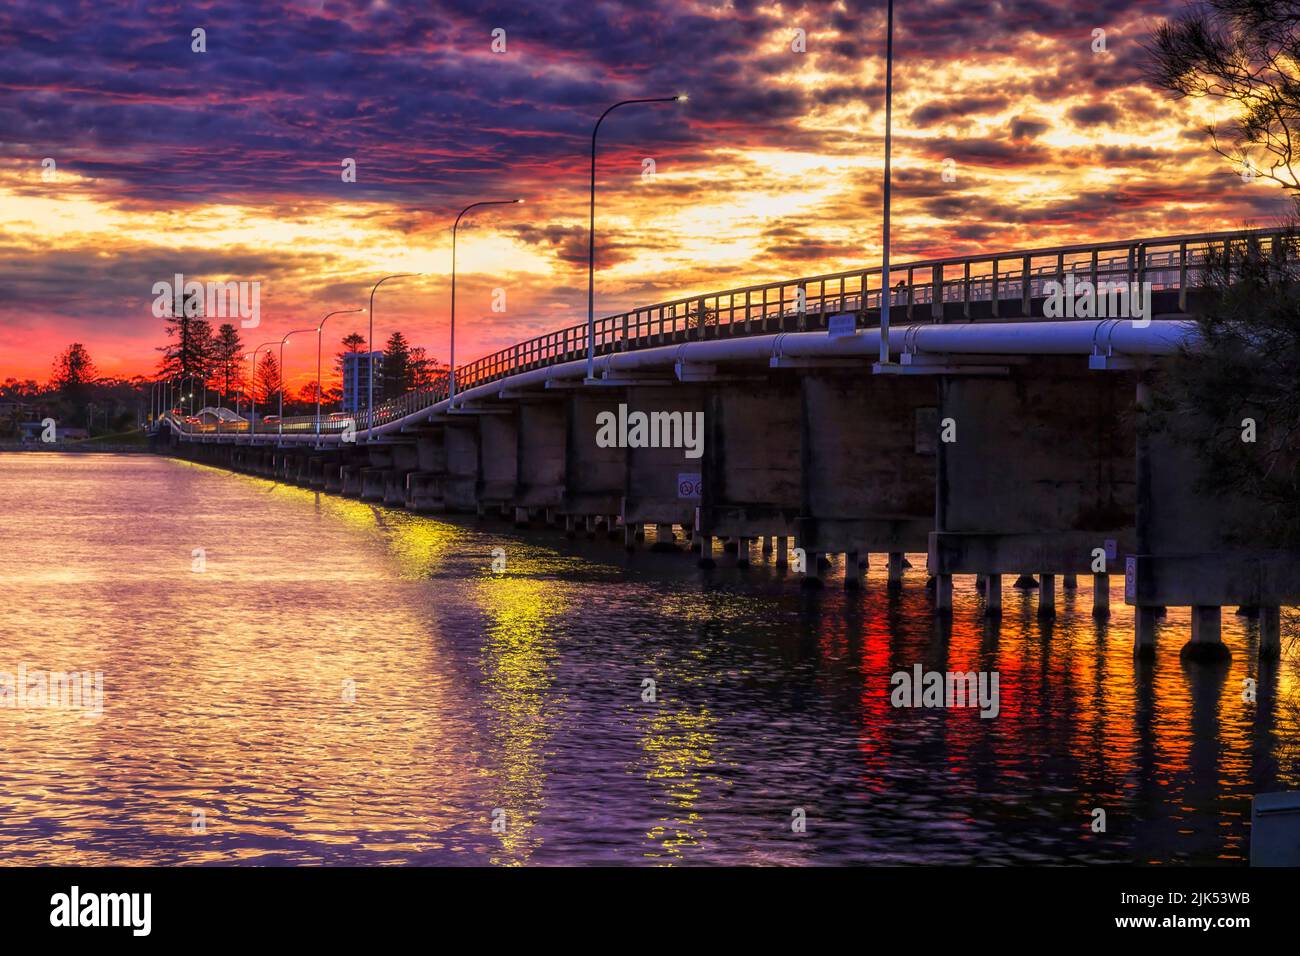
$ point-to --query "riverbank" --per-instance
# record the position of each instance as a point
(79, 447)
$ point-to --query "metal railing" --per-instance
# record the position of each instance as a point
(1007, 281)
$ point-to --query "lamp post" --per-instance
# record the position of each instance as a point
(451, 364)
(370, 353)
(280, 437)
(591, 232)
(884, 262)
(252, 393)
(319, 331)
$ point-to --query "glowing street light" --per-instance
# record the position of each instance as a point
(591, 232)
(451, 394)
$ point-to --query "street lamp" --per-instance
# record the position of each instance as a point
(884, 262)
(451, 365)
(252, 393)
(591, 237)
(320, 329)
(280, 438)
(370, 353)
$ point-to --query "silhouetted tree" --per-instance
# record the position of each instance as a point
(396, 374)
(1245, 52)
(73, 372)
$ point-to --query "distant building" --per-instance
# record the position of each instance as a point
(356, 378)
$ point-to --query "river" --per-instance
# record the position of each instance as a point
(295, 678)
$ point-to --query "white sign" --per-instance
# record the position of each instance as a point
(689, 484)
(842, 325)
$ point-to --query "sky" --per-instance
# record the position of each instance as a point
(228, 164)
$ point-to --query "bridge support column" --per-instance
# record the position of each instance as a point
(395, 488)
(373, 481)
(943, 593)
(868, 462)
(993, 594)
(1270, 633)
(334, 477)
(1144, 631)
(706, 550)
(1047, 595)
(782, 543)
(852, 571)
(351, 475)
(629, 536)
(742, 552)
(1069, 582)
(1101, 595)
(460, 486)
(664, 538)
(751, 464)
(424, 491)
(768, 544)
(895, 567)
(522, 518)
(1207, 635)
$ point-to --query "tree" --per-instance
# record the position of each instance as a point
(1246, 52)
(352, 342)
(73, 372)
(266, 386)
(227, 359)
(426, 373)
(396, 375)
(191, 347)
(1233, 396)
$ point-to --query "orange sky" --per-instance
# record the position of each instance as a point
(772, 170)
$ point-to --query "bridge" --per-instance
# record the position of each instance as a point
(1001, 437)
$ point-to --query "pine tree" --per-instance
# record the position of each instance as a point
(396, 376)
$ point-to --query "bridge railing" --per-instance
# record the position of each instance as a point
(921, 291)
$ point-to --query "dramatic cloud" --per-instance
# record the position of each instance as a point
(228, 164)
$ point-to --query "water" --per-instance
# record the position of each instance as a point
(517, 698)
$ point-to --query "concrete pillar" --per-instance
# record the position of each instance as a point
(1144, 631)
(1206, 643)
(1270, 633)
(782, 543)
(895, 567)
(1069, 582)
(742, 552)
(706, 550)
(395, 488)
(943, 593)
(1047, 595)
(521, 517)
(769, 544)
(1101, 595)
(629, 537)
(993, 594)
(570, 526)
(591, 526)
(852, 572)
(812, 576)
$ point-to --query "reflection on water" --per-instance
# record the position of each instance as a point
(346, 683)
